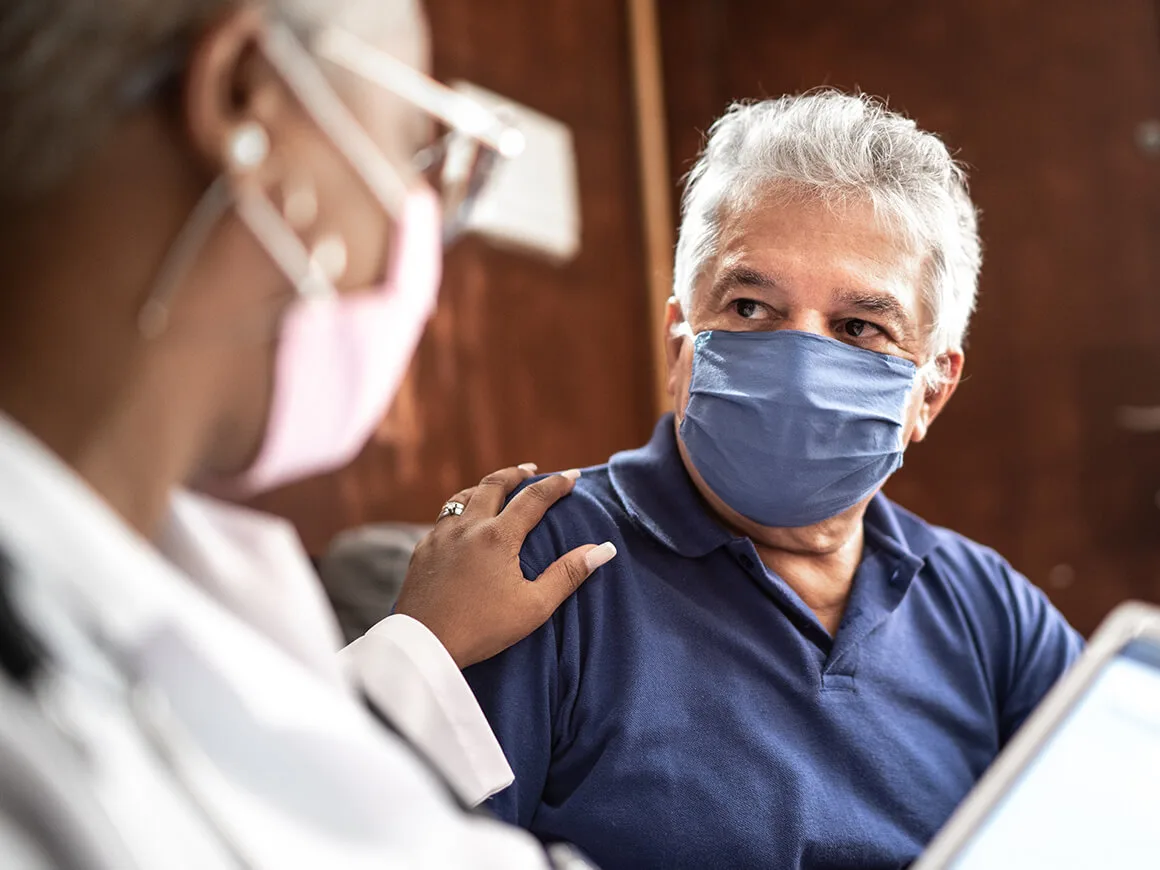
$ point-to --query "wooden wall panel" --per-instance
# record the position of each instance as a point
(524, 361)
(1044, 103)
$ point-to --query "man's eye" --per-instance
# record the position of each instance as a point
(857, 328)
(747, 308)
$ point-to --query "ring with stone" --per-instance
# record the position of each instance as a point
(451, 509)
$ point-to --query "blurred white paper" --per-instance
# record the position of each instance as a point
(532, 201)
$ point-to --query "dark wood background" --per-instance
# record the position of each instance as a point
(1043, 100)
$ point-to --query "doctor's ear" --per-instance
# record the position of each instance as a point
(236, 109)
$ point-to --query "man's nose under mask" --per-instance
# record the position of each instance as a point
(790, 428)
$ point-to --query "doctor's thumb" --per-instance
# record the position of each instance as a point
(564, 576)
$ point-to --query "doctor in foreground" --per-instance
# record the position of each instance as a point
(220, 245)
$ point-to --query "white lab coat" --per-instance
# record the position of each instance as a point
(197, 697)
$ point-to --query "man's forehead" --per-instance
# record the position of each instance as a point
(780, 245)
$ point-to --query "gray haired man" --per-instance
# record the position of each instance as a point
(782, 668)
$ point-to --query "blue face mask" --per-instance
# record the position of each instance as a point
(790, 428)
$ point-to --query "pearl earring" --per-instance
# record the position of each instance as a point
(249, 146)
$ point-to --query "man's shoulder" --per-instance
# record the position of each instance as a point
(590, 514)
(942, 547)
(978, 577)
(975, 574)
(592, 494)
(996, 599)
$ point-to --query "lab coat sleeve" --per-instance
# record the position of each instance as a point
(405, 671)
(18, 846)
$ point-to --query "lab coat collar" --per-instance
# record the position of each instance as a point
(250, 564)
(219, 580)
(177, 674)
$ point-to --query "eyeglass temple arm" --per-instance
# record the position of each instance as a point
(453, 109)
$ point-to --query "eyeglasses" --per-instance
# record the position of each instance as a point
(458, 165)
(474, 139)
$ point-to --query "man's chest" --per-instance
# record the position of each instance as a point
(712, 729)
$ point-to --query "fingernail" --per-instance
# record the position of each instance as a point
(598, 556)
(529, 466)
(571, 473)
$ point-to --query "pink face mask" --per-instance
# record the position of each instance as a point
(341, 358)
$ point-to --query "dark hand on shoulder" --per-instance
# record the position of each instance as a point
(465, 582)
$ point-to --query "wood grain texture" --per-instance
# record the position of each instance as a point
(656, 182)
(523, 361)
(1042, 102)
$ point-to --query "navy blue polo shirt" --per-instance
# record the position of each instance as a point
(685, 708)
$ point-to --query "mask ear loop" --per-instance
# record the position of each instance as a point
(306, 81)
(283, 246)
(262, 219)
(301, 74)
(300, 71)
(930, 374)
(153, 318)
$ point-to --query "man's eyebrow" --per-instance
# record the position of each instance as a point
(742, 276)
(881, 305)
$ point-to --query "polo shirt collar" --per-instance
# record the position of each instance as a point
(660, 497)
(898, 531)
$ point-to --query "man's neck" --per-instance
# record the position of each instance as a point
(818, 562)
(821, 577)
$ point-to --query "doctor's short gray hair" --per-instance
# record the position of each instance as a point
(837, 147)
(65, 66)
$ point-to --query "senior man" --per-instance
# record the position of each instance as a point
(782, 668)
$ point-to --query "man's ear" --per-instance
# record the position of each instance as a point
(950, 366)
(677, 331)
